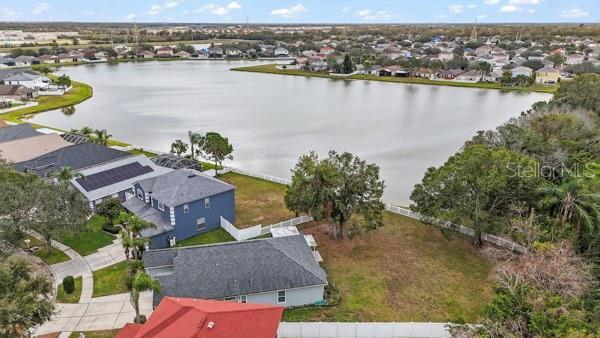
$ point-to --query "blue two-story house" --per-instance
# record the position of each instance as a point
(181, 204)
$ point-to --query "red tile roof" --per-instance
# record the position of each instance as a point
(198, 318)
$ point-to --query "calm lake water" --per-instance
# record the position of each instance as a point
(273, 119)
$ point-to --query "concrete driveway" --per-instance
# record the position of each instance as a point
(101, 313)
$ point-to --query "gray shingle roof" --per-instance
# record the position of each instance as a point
(17, 132)
(235, 268)
(147, 212)
(77, 156)
(183, 186)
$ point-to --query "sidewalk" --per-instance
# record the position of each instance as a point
(101, 313)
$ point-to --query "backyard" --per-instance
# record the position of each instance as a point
(403, 271)
(257, 201)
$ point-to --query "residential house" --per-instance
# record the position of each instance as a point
(164, 52)
(29, 80)
(8, 62)
(445, 56)
(17, 93)
(525, 71)
(425, 73)
(215, 52)
(280, 271)
(374, 70)
(449, 74)
(396, 71)
(182, 55)
(49, 59)
(115, 178)
(547, 75)
(483, 50)
(500, 58)
(199, 318)
(233, 53)
(181, 203)
(76, 156)
(17, 132)
(145, 54)
(327, 50)
(574, 59)
(281, 52)
(200, 54)
(25, 149)
(494, 76)
(26, 60)
(470, 76)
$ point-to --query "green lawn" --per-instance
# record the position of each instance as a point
(257, 201)
(403, 271)
(96, 334)
(79, 93)
(92, 239)
(63, 297)
(56, 256)
(143, 152)
(211, 237)
(271, 69)
(110, 280)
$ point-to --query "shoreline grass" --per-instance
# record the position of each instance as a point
(271, 69)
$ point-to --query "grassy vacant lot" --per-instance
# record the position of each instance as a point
(211, 237)
(404, 271)
(96, 334)
(92, 239)
(271, 69)
(257, 201)
(110, 280)
(63, 297)
(56, 256)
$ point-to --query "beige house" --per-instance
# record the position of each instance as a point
(547, 75)
(31, 147)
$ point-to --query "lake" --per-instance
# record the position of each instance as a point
(273, 119)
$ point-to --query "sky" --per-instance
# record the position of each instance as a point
(302, 11)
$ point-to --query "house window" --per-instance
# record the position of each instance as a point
(243, 299)
(207, 203)
(230, 299)
(201, 224)
(186, 208)
(140, 194)
(161, 206)
(281, 296)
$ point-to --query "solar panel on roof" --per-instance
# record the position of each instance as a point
(112, 176)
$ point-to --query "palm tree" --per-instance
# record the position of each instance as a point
(194, 140)
(87, 131)
(64, 174)
(101, 136)
(141, 282)
(571, 203)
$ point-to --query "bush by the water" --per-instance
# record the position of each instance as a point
(69, 284)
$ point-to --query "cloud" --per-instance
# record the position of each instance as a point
(472, 6)
(456, 9)
(481, 16)
(40, 8)
(289, 12)
(524, 2)
(346, 9)
(155, 9)
(574, 13)
(491, 2)
(369, 15)
(7, 14)
(220, 10)
(130, 16)
(510, 9)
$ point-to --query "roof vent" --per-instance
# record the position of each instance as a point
(191, 175)
(210, 325)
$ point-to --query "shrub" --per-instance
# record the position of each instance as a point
(140, 320)
(111, 228)
(129, 282)
(69, 284)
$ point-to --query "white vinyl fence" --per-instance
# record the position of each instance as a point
(259, 230)
(362, 330)
(293, 221)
